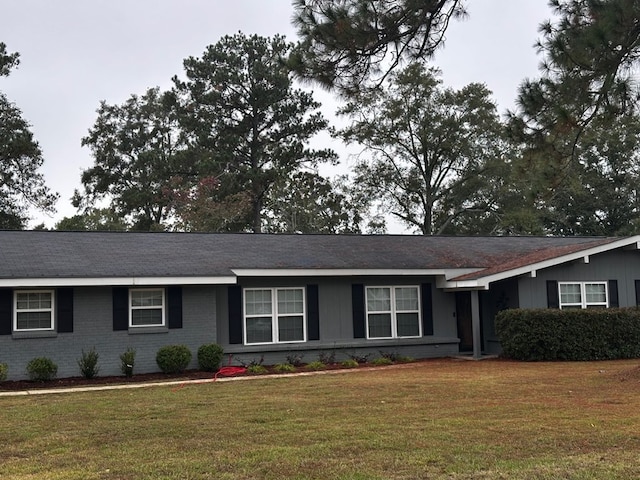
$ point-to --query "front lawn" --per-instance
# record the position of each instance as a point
(441, 419)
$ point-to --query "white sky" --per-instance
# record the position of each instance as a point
(75, 53)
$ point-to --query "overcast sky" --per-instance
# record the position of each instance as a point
(75, 53)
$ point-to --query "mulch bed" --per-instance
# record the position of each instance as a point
(72, 382)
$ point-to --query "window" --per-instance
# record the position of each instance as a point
(274, 315)
(33, 310)
(393, 312)
(583, 295)
(147, 307)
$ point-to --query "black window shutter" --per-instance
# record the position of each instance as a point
(553, 300)
(613, 294)
(120, 308)
(6, 310)
(638, 293)
(427, 309)
(234, 294)
(174, 307)
(64, 308)
(357, 305)
(313, 313)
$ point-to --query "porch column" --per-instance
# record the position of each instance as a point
(475, 324)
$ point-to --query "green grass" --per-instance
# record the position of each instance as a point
(441, 419)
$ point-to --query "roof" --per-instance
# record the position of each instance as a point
(130, 257)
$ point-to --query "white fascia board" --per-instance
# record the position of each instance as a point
(483, 282)
(114, 281)
(349, 272)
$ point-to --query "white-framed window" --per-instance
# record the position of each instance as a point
(274, 315)
(393, 312)
(33, 310)
(146, 307)
(583, 295)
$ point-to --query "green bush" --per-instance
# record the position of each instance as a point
(351, 363)
(127, 362)
(284, 368)
(173, 358)
(88, 363)
(382, 361)
(317, 365)
(4, 371)
(552, 334)
(42, 369)
(209, 357)
(257, 369)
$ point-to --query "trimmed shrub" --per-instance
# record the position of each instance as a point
(42, 369)
(127, 362)
(173, 358)
(88, 363)
(210, 357)
(4, 371)
(585, 334)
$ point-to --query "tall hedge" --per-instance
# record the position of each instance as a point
(552, 334)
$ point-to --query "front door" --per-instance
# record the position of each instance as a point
(463, 316)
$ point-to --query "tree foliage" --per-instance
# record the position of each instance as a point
(429, 151)
(247, 124)
(137, 148)
(567, 121)
(349, 44)
(309, 203)
(22, 186)
(589, 57)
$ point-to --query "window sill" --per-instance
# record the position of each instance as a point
(43, 334)
(145, 330)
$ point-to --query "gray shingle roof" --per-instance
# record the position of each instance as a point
(50, 254)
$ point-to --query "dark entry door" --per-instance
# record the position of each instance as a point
(463, 316)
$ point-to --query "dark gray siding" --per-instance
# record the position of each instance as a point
(93, 327)
(336, 322)
(620, 265)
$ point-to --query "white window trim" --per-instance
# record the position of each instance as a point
(393, 312)
(50, 310)
(583, 297)
(274, 315)
(154, 307)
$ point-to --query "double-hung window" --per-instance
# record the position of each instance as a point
(33, 310)
(146, 307)
(393, 312)
(274, 315)
(583, 295)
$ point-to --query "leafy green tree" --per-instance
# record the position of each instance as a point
(599, 195)
(199, 207)
(7, 60)
(93, 220)
(349, 44)
(248, 126)
(22, 186)
(137, 148)
(429, 152)
(309, 203)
